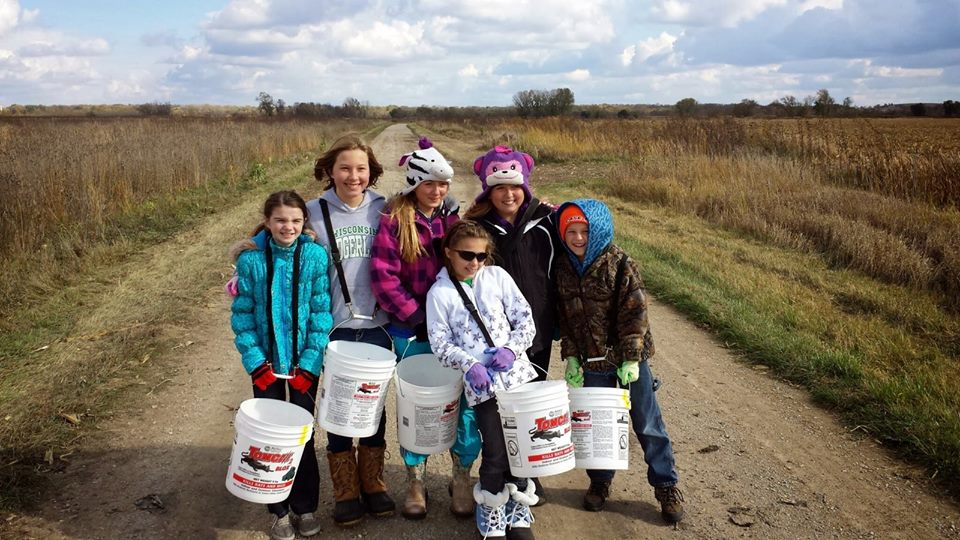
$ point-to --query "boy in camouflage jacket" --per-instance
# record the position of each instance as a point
(611, 351)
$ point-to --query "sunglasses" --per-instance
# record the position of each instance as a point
(470, 255)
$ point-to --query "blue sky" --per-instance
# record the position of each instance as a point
(476, 52)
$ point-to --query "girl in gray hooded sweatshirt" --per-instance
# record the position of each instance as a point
(353, 212)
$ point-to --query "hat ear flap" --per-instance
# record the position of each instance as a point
(478, 165)
(404, 158)
(529, 159)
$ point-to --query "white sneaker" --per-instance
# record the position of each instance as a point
(308, 525)
(282, 529)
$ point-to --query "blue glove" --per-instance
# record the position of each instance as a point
(502, 359)
(478, 378)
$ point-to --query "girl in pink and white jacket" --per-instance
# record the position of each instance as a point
(492, 359)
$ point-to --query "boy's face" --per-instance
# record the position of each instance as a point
(576, 237)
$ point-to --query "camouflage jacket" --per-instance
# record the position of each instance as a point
(584, 309)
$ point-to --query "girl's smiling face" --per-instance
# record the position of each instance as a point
(470, 247)
(351, 176)
(285, 225)
(430, 195)
(506, 199)
(576, 237)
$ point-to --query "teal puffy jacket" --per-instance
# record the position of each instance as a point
(249, 318)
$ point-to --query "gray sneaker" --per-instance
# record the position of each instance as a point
(282, 529)
(308, 525)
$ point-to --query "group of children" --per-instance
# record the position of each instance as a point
(487, 295)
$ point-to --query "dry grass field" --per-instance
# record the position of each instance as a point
(828, 250)
(83, 200)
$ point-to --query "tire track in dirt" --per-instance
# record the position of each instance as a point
(781, 467)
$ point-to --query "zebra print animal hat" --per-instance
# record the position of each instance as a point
(424, 165)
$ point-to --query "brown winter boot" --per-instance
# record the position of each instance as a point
(596, 496)
(415, 506)
(461, 489)
(670, 507)
(372, 487)
(346, 487)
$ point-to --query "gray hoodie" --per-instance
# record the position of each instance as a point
(354, 229)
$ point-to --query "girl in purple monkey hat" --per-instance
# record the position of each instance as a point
(525, 241)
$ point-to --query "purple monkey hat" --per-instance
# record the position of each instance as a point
(504, 165)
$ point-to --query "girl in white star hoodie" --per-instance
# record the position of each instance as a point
(488, 365)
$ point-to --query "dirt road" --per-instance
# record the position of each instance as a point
(756, 458)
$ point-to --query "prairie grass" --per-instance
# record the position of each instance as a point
(880, 196)
(87, 318)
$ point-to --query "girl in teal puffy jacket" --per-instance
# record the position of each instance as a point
(281, 318)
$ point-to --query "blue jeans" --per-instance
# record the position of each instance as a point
(647, 424)
(467, 445)
(374, 336)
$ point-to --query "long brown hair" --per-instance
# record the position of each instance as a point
(465, 228)
(479, 209)
(323, 168)
(278, 199)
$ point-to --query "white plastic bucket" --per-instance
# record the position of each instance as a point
(356, 376)
(601, 427)
(536, 429)
(428, 404)
(269, 440)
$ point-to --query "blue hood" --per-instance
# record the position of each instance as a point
(601, 231)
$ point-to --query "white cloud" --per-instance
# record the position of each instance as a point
(728, 13)
(578, 75)
(9, 15)
(626, 57)
(469, 71)
(90, 47)
(807, 5)
(655, 46)
(394, 41)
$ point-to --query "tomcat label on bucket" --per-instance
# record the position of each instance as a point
(264, 469)
(548, 441)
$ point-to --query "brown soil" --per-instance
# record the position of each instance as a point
(756, 458)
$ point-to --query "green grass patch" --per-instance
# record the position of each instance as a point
(882, 355)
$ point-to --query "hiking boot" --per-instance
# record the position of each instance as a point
(372, 487)
(415, 505)
(282, 529)
(670, 498)
(517, 511)
(596, 496)
(491, 518)
(541, 494)
(307, 524)
(461, 489)
(348, 509)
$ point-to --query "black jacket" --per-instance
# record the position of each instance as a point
(530, 263)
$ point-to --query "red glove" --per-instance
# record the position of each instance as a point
(263, 376)
(302, 381)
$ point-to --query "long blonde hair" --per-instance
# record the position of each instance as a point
(403, 209)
